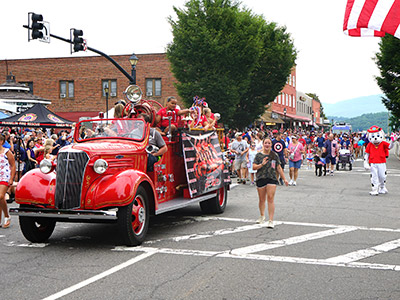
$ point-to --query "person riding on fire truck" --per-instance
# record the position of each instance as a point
(170, 111)
(157, 146)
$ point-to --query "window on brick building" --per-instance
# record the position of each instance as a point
(67, 89)
(153, 87)
(29, 84)
(112, 87)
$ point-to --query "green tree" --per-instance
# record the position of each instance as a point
(273, 67)
(388, 62)
(233, 58)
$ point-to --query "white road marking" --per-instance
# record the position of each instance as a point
(219, 232)
(168, 251)
(349, 260)
(311, 261)
(286, 259)
(99, 276)
(254, 226)
(33, 245)
(290, 241)
(365, 253)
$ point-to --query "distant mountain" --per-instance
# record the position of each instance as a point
(355, 107)
(365, 121)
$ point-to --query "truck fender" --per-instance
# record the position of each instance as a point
(118, 189)
(36, 187)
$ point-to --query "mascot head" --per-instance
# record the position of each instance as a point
(376, 135)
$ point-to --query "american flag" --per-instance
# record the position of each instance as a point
(372, 18)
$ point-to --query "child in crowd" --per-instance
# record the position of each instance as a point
(251, 154)
(309, 156)
(47, 152)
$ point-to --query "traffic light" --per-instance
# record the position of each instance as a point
(78, 41)
(37, 27)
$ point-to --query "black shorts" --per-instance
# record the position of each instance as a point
(265, 181)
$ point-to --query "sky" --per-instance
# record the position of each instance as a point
(330, 64)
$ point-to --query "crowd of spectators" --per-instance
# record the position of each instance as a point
(30, 146)
(296, 148)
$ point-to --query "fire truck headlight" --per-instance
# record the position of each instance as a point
(46, 166)
(100, 166)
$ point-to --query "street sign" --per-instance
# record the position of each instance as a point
(46, 32)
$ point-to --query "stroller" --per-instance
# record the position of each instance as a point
(345, 157)
(229, 160)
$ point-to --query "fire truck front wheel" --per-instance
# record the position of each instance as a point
(133, 219)
(36, 230)
(217, 204)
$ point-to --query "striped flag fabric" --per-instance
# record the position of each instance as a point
(372, 18)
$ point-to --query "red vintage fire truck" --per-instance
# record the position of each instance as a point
(102, 177)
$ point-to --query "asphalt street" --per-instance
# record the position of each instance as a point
(332, 240)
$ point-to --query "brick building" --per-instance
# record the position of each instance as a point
(318, 121)
(284, 104)
(75, 85)
(295, 108)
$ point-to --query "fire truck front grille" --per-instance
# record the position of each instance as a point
(71, 167)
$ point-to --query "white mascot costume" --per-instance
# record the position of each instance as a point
(375, 159)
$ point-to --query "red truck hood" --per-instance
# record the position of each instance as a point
(105, 147)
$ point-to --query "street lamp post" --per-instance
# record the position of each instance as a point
(133, 60)
(106, 92)
(284, 114)
(312, 119)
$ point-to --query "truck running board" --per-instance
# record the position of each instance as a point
(181, 202)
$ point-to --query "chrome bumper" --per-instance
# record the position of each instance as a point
(66, 214)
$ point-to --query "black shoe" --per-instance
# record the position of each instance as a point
(11, 198)
(244, 181)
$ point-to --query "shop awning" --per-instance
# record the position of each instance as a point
(270, 118)
(293, 117)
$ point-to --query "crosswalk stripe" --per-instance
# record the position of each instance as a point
(260, 257)
(365, 253)
(290, 241)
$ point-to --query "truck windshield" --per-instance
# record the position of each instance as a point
(111, 128)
